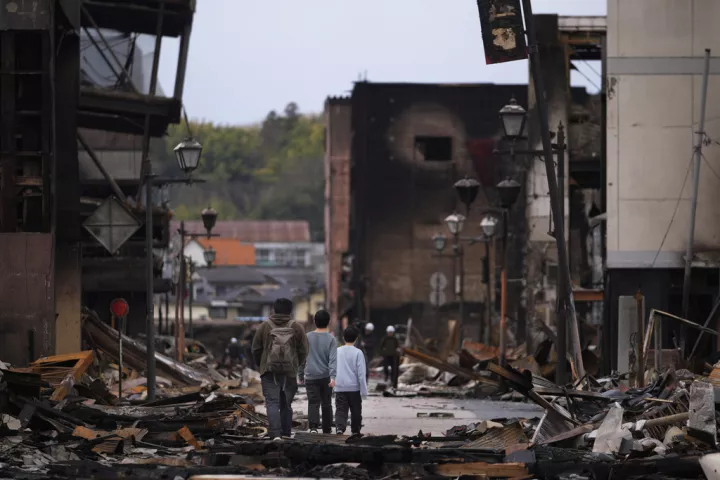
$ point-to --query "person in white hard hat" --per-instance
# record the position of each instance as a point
(390, 350)
(234, 352)
(368, 346)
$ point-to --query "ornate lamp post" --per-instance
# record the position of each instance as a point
(188, 154)
(513, 119)
(508, 191)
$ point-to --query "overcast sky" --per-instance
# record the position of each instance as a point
(250, 56)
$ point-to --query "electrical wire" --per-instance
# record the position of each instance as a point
(586, 77)
(677, 205)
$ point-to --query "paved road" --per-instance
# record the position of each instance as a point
(400, 415)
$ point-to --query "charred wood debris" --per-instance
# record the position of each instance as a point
(81, 416)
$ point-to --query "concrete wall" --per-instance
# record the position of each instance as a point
(654, 67)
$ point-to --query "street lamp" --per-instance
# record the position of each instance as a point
(513, 119)
(489, 225)
(209, 217)
(455, 223)
(188, 153)
(467, 191)
(508, 191)
(439, 242)
(209, 256)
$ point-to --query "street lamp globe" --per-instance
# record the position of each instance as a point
(455, 223)
(489, 225)
(513, 119)
(209, 256)
(439, 241)
(467, 190)
(188, 154)
(508, 191)
(209, 217)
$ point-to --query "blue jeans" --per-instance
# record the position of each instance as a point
(279, 391)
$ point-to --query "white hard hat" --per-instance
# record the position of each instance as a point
(369, 327)
(390, 329)
(233, 340)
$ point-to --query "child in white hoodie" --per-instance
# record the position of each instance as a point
(350, 384)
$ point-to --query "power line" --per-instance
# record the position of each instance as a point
(677, 204)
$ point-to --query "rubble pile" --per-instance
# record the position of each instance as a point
(87, 415)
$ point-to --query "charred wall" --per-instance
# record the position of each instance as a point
(338, 137)
(410, 144)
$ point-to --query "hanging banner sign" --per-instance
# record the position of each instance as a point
(502, 27)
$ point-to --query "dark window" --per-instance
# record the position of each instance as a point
(217, 313)
(434, 149)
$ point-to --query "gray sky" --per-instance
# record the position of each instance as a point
(250, 56)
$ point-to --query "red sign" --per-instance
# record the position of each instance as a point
(119, 308)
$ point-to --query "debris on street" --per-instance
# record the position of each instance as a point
(84, 416)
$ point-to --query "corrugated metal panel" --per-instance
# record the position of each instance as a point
(500, 438)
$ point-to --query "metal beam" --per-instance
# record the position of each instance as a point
(115, 187)
(112, 52)
(8, 208)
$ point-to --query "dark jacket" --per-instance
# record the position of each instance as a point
(261, 342)
(369, 344)
(234, 350)
(389, 346)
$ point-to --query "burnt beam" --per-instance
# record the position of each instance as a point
(134, 16)
(8, 161)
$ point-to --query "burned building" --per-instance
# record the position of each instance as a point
(393, 154)
(76, 120)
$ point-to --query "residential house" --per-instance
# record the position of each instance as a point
(228, 251)
(276, 242)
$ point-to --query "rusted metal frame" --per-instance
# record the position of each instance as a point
(91, 153)
(146, 168)
(640, 374)
(8, 213)
(107, 45)
(707, 322)
(654, 325)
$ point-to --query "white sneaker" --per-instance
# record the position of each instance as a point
(277, 439)
(314, 430)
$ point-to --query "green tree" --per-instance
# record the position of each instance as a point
(272, 170)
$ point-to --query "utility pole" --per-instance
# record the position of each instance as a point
(561, 311)
(700, 136)
(563, 263)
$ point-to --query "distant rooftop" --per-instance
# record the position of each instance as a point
(229, 251)
(239, 275)
(255, 231)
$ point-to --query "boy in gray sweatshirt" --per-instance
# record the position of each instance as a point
(351, 384)
(319, 373)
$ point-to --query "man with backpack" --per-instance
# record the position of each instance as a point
(280, 349)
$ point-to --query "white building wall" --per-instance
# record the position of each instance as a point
(194, 251)
(655, 61)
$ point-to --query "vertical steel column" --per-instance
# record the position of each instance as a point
(488, 301)
(700, 136)
(561, 311)
(503, 289)
(149, 287)
(180, 316)
(8, 218)
(563, 262)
